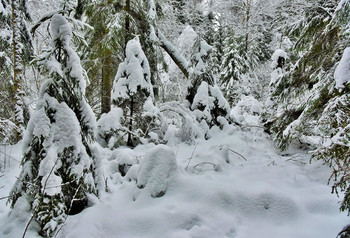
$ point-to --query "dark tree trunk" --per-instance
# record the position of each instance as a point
(106, 86)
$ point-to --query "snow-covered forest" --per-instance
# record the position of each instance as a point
(175, 118)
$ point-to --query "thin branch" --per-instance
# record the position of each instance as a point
(2, 198)
(189, 160)
(238, 154)
(70, 207)
(43, 19)
(204, 163)
(8, 156)
(36, 210)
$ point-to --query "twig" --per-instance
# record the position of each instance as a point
(291, 159)
(10, 157)
(238, 154)
(2, 198)
(204, 163)
(189, 160)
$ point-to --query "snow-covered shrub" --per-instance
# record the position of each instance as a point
(246, 111)
(278, 61)
(157, 170)
(110, 129)
(184, 126)
(57, 165)
(133, 93)
(204, 96)
(124, 159)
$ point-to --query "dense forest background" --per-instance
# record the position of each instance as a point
(132, 72)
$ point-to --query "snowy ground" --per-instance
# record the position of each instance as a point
(271, 194)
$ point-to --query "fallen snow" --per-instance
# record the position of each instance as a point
(342, 72)
(247, 111)
(232, 185)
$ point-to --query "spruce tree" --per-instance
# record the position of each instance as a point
(133, 93)
(57, 165)
(204, 97)
(15, 53)
(315, 91)
(104, 50)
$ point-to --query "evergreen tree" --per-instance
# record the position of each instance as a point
(315, 91)
(335, 118)
(133, 93)
(203, 95)
(57, 166)
(308, 86)
(117, 23)
(104, 50)
(236, 64)
(15, 53)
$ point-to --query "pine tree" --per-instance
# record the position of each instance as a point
(117, 23)
(308, 86)
(57, 166)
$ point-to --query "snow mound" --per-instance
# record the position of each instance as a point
(247, 111)
(156, 170)
(122, 160)
(274, 207)
(107, 125)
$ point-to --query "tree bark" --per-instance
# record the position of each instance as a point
(179, 60)
(247, 18)
(107, 74)
(17, 71)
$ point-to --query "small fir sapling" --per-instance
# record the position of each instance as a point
(133, 93)
(204, 96)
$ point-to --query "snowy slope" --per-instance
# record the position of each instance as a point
(258, 193)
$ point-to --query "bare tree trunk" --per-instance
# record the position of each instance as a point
(130, 142)
(247, 18)
(17, 71)
(107, 74)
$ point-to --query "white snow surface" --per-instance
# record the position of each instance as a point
(342, 72)
(266, 194)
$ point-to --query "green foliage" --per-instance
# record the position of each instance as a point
(337, 156)
(307, 106)
(308, 88)
(236, 62)
(11, 103)
(57, 166)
